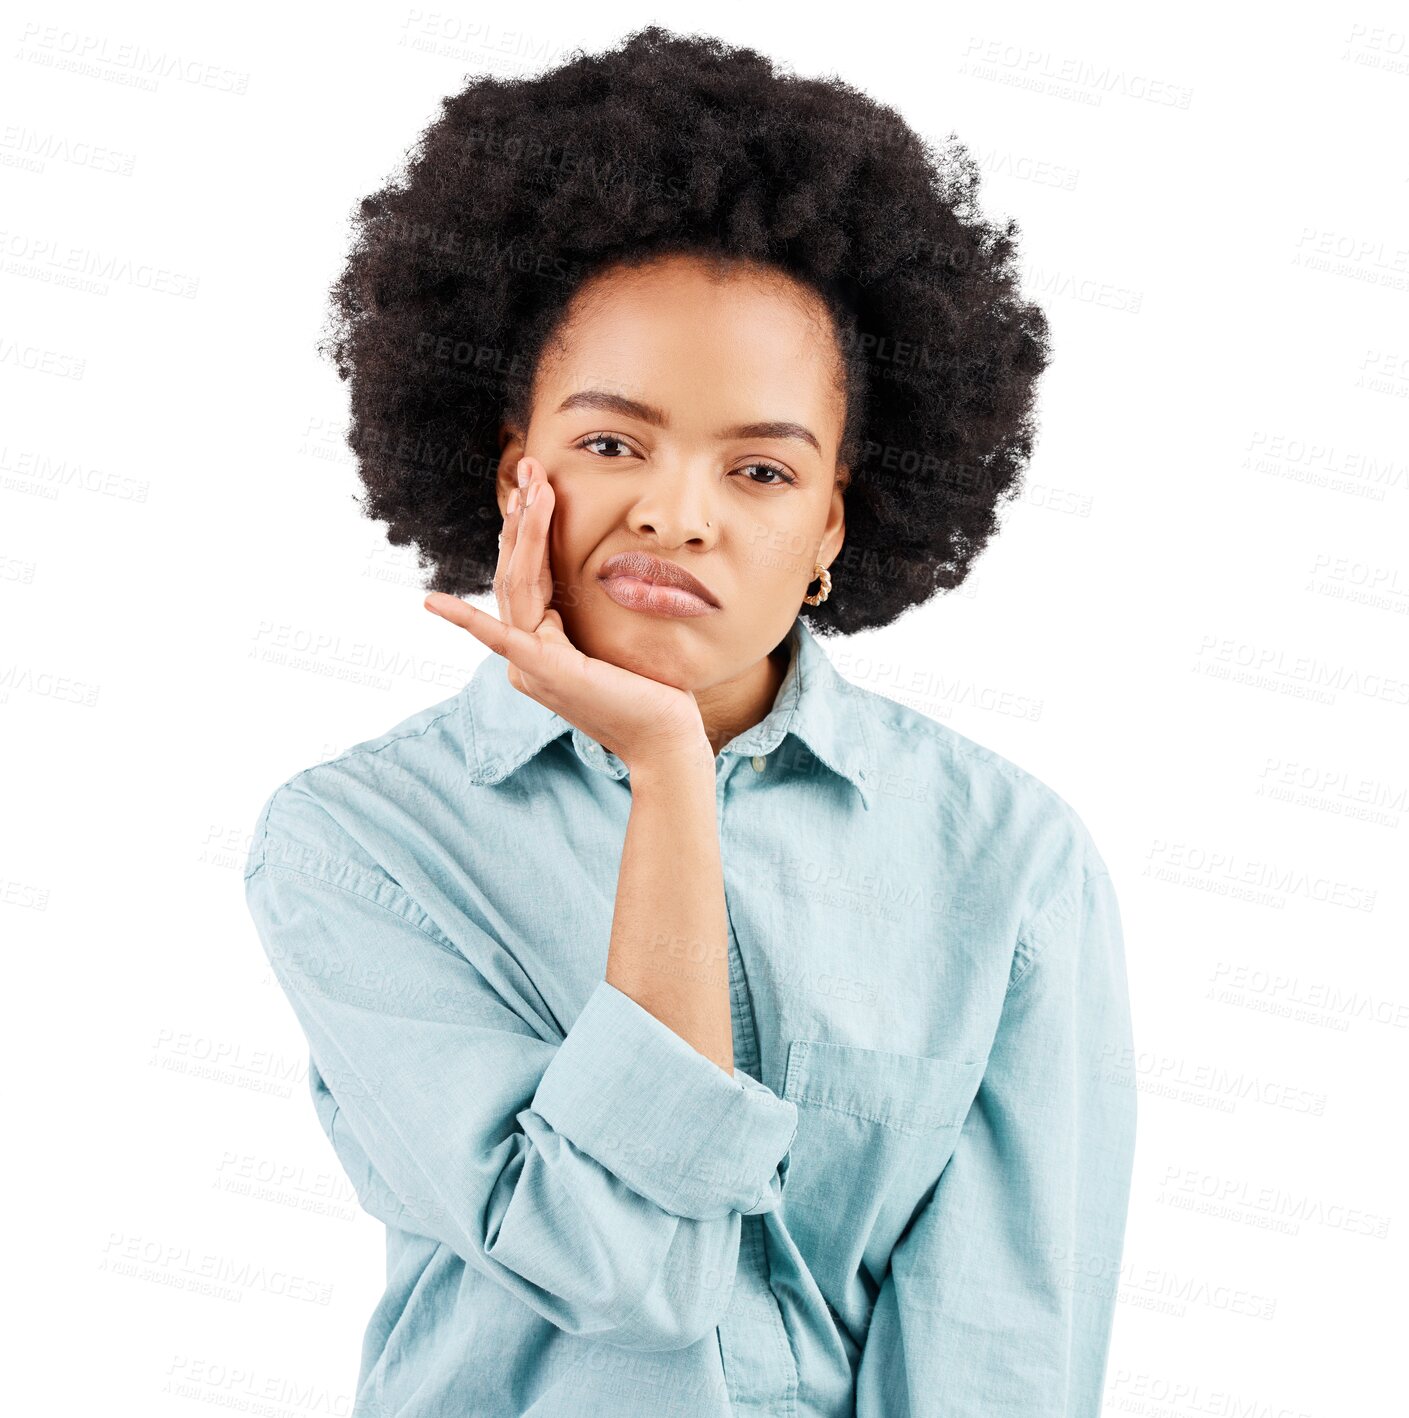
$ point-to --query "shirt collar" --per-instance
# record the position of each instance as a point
(504, 729)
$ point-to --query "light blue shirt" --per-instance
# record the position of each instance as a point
(908, 1199)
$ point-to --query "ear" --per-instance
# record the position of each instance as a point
(834, 533)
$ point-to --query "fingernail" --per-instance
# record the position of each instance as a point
(522, 472)
(513, 502)
(528, 496)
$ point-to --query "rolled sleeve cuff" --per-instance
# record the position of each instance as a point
(655, 1112)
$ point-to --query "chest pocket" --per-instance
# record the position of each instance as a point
(875, 1130)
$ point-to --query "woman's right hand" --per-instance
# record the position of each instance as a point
(639, 719)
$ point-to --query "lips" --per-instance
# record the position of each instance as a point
(645, 567)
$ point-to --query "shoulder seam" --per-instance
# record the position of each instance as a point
(357, 748)
(261, 826)
(960, 745)
(1026, 952)
(413, 916)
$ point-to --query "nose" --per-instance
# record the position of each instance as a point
(677, 504)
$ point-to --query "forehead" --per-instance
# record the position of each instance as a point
(683, 329)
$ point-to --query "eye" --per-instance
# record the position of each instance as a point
(781, 473)
(602, 438)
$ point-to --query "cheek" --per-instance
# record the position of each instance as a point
(779, 551)
(587, 511)
(565, 530)
(579, 530)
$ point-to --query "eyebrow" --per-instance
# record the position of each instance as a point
(632, 408)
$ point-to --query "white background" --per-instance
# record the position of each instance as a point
(1192, 626)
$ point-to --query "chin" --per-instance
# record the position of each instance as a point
(665, 648)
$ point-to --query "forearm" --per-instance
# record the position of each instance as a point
(670, 932)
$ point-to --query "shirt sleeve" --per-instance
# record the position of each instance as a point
(599, 1177)
(1000, 1298)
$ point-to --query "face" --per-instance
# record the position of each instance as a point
(692, 413)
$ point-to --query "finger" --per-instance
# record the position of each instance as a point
(530, 582)
(458, 612)
(516, 610)
(508, 539)
(532, 655)
(545, 564)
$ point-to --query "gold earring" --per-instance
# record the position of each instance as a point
(820, 571)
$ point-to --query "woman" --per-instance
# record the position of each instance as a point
(712, 1035)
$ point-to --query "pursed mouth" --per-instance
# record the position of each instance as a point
(655, 571)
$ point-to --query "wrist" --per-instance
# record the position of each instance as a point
(673, 766)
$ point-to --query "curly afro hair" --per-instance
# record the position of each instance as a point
(521, 189)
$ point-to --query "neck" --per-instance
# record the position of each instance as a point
(729, 709)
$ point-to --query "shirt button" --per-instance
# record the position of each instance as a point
(759, 763)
